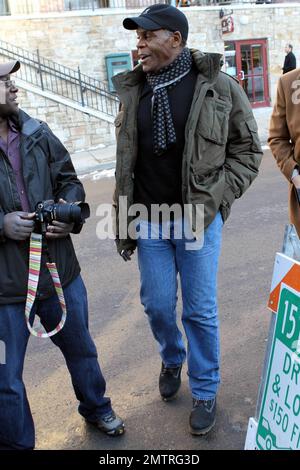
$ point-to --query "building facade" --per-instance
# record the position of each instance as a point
(250, 36)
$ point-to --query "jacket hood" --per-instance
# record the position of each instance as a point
(208, 65)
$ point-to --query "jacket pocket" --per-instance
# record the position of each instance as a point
(118, 121)
(211, 135)
(225, 209)
(253, 129)
(213, 120)
(208, 177)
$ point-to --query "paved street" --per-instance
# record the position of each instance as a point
(127, 350)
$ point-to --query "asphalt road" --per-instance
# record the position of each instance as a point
(127, 351)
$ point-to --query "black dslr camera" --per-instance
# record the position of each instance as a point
(47, 211)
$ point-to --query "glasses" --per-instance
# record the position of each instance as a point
(8, 83)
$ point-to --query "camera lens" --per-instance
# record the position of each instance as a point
(71, 213)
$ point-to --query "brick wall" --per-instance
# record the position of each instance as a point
(76, 130)
(76, 38)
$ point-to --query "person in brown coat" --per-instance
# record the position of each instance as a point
(284, 137)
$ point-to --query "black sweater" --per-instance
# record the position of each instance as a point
(158, 178)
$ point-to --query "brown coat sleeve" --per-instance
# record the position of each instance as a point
(279, 135)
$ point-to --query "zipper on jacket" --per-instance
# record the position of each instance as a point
(134, 136)
(10, 185)
(22, 145)
(197, 104)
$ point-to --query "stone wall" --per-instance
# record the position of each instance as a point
(84, 38)
(77, 130)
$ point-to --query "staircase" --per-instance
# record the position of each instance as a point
(84, 92)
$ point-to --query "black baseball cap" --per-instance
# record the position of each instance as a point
(160, 16)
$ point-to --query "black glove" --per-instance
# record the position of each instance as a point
(126, 254)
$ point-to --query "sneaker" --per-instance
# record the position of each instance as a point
(110, 424)
(203, 416)
(169, 381)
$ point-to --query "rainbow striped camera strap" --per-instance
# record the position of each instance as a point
(35, 254)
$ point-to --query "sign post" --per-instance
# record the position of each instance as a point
(279, 420)
(276, 425)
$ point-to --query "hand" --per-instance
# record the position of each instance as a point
(126, 254)
(18, 225)
(59, 229)
(296, 181)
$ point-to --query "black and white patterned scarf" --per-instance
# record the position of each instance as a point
(164, 135)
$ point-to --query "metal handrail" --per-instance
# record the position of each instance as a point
(61, 80)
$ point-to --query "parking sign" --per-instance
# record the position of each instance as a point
(279, 420)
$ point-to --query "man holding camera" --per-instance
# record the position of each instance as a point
(36, 167)
(284, 138)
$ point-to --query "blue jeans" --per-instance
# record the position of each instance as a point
(77, 346)
(160, 261)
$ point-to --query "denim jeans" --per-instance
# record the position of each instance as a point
(160, 262)
(77, 346)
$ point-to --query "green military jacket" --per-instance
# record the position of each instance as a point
(222, 151)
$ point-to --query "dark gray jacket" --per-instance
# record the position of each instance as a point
(48, 174)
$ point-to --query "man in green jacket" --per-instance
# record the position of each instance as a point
(186, 141)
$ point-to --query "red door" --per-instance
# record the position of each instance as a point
(248, 63)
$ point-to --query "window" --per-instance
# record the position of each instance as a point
(4, 8)
(230, 58)
(83, 4)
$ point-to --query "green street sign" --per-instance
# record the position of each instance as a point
(279, 420)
